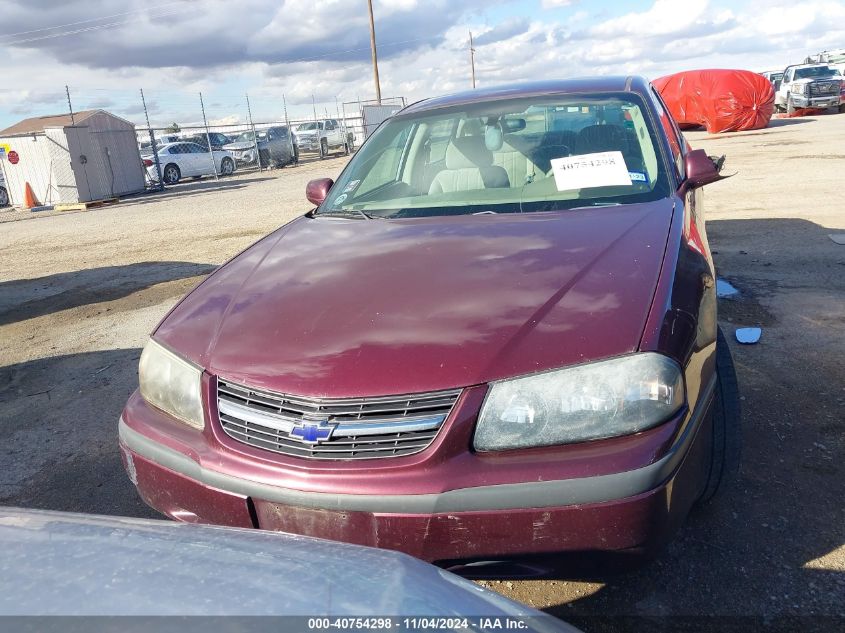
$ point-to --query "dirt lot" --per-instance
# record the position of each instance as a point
(79, 293)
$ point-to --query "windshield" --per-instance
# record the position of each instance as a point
(247, 137)
(304, 127)
(523, 155)
(815, 71)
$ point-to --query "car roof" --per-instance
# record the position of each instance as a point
(815, 65)
(617, 83)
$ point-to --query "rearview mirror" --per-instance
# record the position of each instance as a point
(701, 170)
(317, 190)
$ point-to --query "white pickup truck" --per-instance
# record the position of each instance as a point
(809, 86)
(322, 137)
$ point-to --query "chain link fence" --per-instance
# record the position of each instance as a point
(183, 137)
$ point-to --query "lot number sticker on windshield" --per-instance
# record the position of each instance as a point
(603, 169)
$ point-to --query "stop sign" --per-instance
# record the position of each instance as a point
(13, 157)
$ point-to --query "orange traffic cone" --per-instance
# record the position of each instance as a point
(29, 198)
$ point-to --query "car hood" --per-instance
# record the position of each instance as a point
(237, 147)
(306, 133)
(354, 307)
(152, 568)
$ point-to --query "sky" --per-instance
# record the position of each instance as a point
(302, 52)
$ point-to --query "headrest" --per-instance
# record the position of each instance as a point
(467, 152)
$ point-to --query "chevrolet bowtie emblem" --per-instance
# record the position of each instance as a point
(312, 432)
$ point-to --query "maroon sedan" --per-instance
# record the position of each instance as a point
(495, 336)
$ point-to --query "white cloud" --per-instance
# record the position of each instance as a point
(556, 4)
(248, 46)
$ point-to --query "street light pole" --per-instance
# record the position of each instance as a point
(373, 47)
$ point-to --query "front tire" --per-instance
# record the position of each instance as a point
(790, 106)
(227, 167)
(726, 423)
(324, 148)
(171, 174)
(4, 197)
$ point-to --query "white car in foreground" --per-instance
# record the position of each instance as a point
(182, 160)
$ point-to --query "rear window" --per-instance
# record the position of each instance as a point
(522, 155)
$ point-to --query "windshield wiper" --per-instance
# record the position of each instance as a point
(344, 214)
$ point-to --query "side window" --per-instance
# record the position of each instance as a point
(271, 135)
(672, 134)
(177, 149)
(385, 168)
(320, 125)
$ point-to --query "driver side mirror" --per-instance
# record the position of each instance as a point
(701, 170)
(317, 190)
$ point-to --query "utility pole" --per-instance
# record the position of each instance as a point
(375, 55)
(472, 59)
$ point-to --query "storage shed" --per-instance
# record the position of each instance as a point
(92, 156)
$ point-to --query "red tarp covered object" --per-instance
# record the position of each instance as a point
(720, 100)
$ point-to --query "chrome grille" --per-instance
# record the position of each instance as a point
(354, 428)
(823, 88)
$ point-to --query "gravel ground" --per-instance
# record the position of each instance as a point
(80, 291)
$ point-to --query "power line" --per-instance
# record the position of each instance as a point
(96, 27)
(102, 17)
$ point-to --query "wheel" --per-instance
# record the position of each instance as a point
(227, 167)
(346, 148)
(842, 108)
(4, 197)
(171, 174)
(790, 106)
(324, 148)
(726, 424)
(263, 158)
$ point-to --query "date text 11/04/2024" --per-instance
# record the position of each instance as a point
(417, 623)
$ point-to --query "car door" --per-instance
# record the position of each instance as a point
(177, 153)
(784, 86)
(204, 163)
(188, 156)
(274, 144)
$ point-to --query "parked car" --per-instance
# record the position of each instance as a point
(495, 336)
(4, 193)
(218, 140)
(146, 146)
(774, 76)
(322, 137)
(809, 86)
(181, 160)
(86, 565)
(275, 147)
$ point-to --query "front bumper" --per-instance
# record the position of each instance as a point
(816, 102)
(180, 475)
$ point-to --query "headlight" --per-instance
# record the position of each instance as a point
(597, 400)
(805, 89)
(172, 384)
